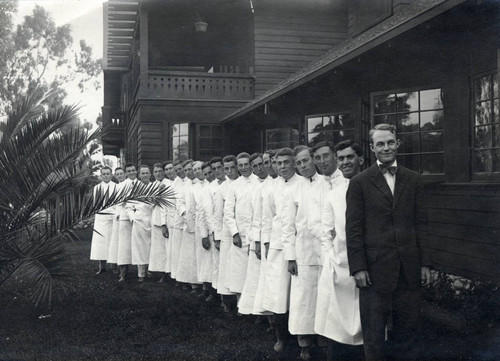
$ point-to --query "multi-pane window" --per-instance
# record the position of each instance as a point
(180, 141)
(210, 141)
(331, 127)
(418, 117)
(486, 128)
(282, 137)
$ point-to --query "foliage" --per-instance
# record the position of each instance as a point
(38, 54)
(45, 190)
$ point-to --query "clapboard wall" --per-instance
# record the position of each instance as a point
(285, 42)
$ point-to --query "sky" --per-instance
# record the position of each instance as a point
(85, 18)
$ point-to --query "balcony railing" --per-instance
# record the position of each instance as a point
(185, 85)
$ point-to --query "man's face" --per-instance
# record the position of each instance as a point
(145, 175)
(244, 167)
(106, 175)
(188, 169)
(258, 168)
(274, 165)
(305, 164)
(266, 159)
(349, 162)
(131, 172)
(209, 175)
(158, 173)
(230, 170)
(286, 166)
(324, 160)
(120, 175)
(170, 172)
(218, 170)
(385, 146)
(180, 171)
(198, 172)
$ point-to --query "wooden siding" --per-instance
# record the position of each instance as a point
(150, 141)
(464, 229)
(285, 43)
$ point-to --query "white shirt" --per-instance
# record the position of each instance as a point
(389, 177)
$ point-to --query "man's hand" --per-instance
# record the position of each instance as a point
(267, 249)
(205, 242)
(117, 217)
(217, 244)
(248, 250)
(257, 250)
(292, 268)
(164, 231)
(211, 236)
(362, 279)
(426, 276)
(237, 240)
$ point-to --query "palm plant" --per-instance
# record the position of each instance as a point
(45, 190)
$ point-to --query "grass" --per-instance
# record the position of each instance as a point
(101, 319)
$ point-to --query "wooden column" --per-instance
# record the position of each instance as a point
(144, 50)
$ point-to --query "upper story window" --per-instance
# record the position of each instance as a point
(418, 117)
(332, 127)
(180, 141)
(486, 125)
(209, 141)
(281, 137)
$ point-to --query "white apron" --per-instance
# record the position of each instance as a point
(158, 253)
(303, 297)
(277, 283)
(103, 227)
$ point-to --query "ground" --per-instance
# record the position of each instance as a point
(100, 319)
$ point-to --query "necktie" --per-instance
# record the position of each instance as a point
(384, 169)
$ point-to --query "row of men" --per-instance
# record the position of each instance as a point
(264, 227)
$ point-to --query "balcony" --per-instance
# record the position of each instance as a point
(114, 124)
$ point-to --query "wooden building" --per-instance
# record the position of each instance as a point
(274, 73)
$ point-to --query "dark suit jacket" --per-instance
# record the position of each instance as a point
(386, 232)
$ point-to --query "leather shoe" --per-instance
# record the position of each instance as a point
(102, 270)
(121, 279)
(305, 354)
(279, 346)
(141, 279)
(210, 298)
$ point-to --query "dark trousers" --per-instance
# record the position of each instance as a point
(375, 309)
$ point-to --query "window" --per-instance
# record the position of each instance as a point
(180, 141)
(331, 127)
(209, 141)
(486, 125)
(418, 117)
(281, 137)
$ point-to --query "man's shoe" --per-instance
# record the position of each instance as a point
(225, 308)
(141, 279)
(305, 354)
(102, 270)
(121, 279)
(193, 292)
(279, 346)
(162, 280)
(210, 298)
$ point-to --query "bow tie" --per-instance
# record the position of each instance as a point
(384, 169)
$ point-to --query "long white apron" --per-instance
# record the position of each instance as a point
(237, 267)
(204, 259)
(158, 253)
(103, 226)
(303, 298)
(176, 249)
(168, 257)
(225, 246)
(125, 242)
(141, 234)
(277, 283)
(113, 242)
(186, 268)
(247, 299)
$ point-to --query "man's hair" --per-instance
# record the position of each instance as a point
(229, 158)
(205, 165)
(166, 163)
(106, 168)
(177, 162)
(144, 166)
(215, 160)
(196, 162)
(348, 144)
(324, 143)
(382, 126)
(243, 155)
(300, 148)
(130, 165)
(284, 152)
(271, 152)
(254, 156)
(158, 165)
(118, 168)
(186, 162)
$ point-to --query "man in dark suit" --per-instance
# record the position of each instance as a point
(386, 230)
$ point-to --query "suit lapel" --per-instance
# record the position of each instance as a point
(401, 181)
(380, 183)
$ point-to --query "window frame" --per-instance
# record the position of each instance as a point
(289, 129)
(330, 114)
(172, 125)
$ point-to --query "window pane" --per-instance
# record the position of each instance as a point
(410, 161)
(183, 143)
(216, 131)
(205, 131)
(175, 153)
(432, 163)
(346, 121)
(314, 138)
(329, 123)
(175, 142)
(431, 142)
(347, 134)
(407, 102)
(496, 160)
(431, 99)
(389, 119)
(495, 86)
(409, 143)
(216, 143)
(205, 143)
(482, 137)
(482, 88)
(184, 129)
(407, 122)
(431, 120)
(175, 130)
(496, 110)
(483, 113)
(483, 161)
(384, 103)
(314, 125)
